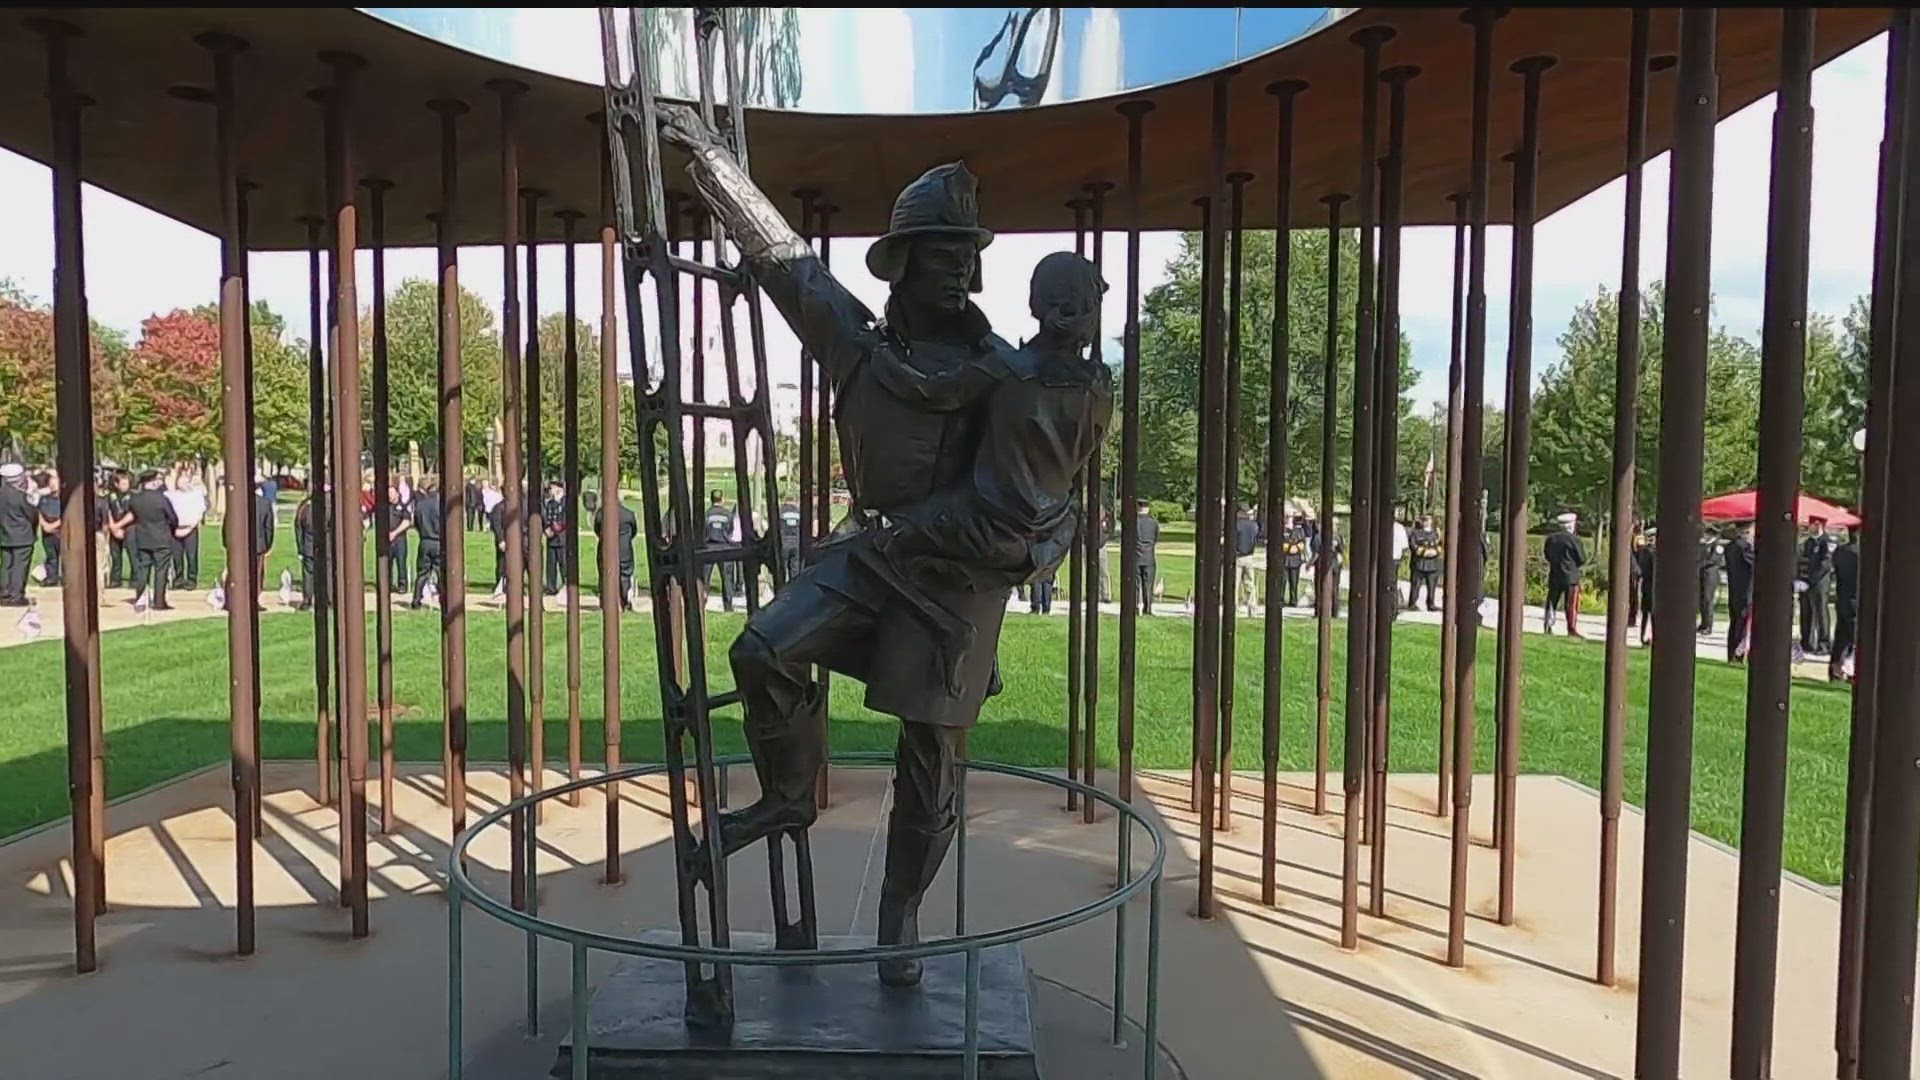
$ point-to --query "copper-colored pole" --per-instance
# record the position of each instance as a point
(73, 394)
(611, 600)
(241, 187)
(1873, 548)
(1626, 392)
(1279, 426)
(1077, 570)
(321, 582)
(1203, 532)
(1135, 113)
(823, 476)
(1683, 393)
(1326, 581)
(1094, 531)
(536, 508)
(377, 188)
(807, 197)
(1450, 520)
(570, 469)
(348, 528)
(453, 456)
(1469, 556)
(1230, 497)
(514, 489)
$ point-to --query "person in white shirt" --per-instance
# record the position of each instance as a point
(1400, 546)
(490, 497)
(189, 499)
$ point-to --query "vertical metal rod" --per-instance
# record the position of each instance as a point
(1683, 386)
(382, 505)
(700, 227)
(1513, 503)
(1626, 394)
(1123, 874)
(536, 476)
(960, 843)
(570, 480)
(1886, 1014)
(319, 587)
(1326, 578)
(1360, 589)
(612, 510)
(1152, 1026)
(1470, 555)
(333, 191)
(1279, 427)
(1077, 570)
(1131, 598)
(241, 188)
(1783, 355)
(456, 989)
(347, 454)
(512, 491)
(580, 1050)
(533, 939)
(1230, 499)
(1873, 547)
(453, 456)
(1095, 530)
(1450, 531)
(1203, 531)
(73, 394)
(807, 499)
(823, 477)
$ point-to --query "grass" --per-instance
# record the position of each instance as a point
(166, 701)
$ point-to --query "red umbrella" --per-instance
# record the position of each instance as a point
(1744, 506)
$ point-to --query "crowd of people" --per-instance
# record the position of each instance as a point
(148, 526)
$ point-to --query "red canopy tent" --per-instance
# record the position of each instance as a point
(1745, 506)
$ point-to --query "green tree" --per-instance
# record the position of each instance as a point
(279, 389)
(1837, 382)
(413, 368)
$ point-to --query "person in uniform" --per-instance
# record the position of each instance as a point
(1146, 541)
(266, 522)
(1424, 570)
(156, 530)
(476, 505)
(19, 521)
(309, 518)
(790, 529)
(719, 533)
(554, 515)
(628, 528)
(48, 509)
(1246, 541)
(1296, 552)
(1710, 562)
(1566, 561)
(118, 519)
(399, 530)
(1846, 605)
(1738, 555)
(1640, 590)
(430, 521)
(1330, 553)
(1815, 570)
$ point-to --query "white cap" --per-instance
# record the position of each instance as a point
(11, 470)
(1568, 518)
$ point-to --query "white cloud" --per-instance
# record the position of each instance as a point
(1100, 55)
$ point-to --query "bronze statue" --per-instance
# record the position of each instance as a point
(960, 454)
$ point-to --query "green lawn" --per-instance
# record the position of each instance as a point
(166, 705)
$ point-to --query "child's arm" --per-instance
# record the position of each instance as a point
(956, 388)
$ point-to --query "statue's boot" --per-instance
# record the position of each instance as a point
(914, 855)
(788, 768)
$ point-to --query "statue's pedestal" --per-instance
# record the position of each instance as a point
(794, 1023)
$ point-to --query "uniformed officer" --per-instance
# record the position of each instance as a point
(1246, 540)
(1816, 570)
(1710, 562)
(266, 522)
(1332, 551)
(1739, 560)
(1146, 539)
(49, 510)
(476, 505)
(429, 520)
(118, 519)
(1640, 594)
(1424, 570)
(628, 528)
(399, 526)
(790, 538)
(308, 520)
(156, 529)
(1846, 603)
(18, 521)
(554, 516)
(1296, 552)
(720, 534)
(1566, 562)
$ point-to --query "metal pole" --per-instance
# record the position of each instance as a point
(1683, 385)
(1326, 581)
(1450, 519)
(1077, 570)
(1094, 530)
(453, 457)
(807, 499)
(1203, 530)
(1783, 356)
(1279, 426)
(612, 600)
(570, 468)
(1135, 113)
(382, 505)
(1470, 556)
(512, 492)
(535, 480)
(1626, 395)
(79, 598)
(823, 476)
(241, 187)
(1513, 503)
(347, 453)
(1360, 595)
(319, 585)
(1230, 497)
(1886, 275)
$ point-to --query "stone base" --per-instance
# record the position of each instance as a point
(834, 1022)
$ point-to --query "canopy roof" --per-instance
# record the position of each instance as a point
(1745, 506)
(147, 144)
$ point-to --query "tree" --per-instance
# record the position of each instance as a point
(172, 391)
(413, 369)
(28, 415)
(1837, 382)
(553, 431)
(280, 406)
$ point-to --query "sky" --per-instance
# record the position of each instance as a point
(140, 263)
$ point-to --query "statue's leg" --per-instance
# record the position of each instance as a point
(919, 831)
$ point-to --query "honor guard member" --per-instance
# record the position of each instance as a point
(1846, 604)
(430, 521)
(1332, 551)
(49, 509)
(1711, 561)
(476, 505)
(156, 529)
(1640, 596)
(1424, 570)
(554, 516)
(1296, 552)
(1738, 555)
(399, 525)
(1816, 570)
(19, 519)
(118, 519)
(719, 533)
(265, 524)
(790, 538)
(629, 528)
(1246, 540)
(308, 520)
(1146, 540)
(1566, 561)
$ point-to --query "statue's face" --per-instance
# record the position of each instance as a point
(938, 274)
(1068, 314)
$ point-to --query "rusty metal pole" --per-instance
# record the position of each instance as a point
(1230, 501)
(1279, 361)
(1360, 590)
(512, 492)
(1094, 529)
(1783, 355)
(823, 477)
(348, 527)
(243, 591)
(1203, 530)
(1886, 1015)
(1626, 394)
(612, 600)
(73, 394)
(1683, 391)
(1326, 581)
(1135, 113)
(536, 471)
(320, 583)
(805, 480)
(570, 469)
(1513, 502)
(1076, 568)
(377, 188)
(1470, 557)
(241, 188)
(453, 456)
(1450, 519)
(331, 196)
(1873, 547)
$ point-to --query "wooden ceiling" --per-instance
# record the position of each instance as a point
(143, 141)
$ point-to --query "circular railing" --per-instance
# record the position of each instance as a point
(462, 891)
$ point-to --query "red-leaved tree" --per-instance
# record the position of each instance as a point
(29, 418)
(171, 396)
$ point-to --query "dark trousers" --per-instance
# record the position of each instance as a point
(1043, 596)
(1640, 604)
(1737, 611)
(186, 560)
(1844, 623)
(1709, 597)
(13, 575)
(119, 563)
(559, 575)
(1427, 579)
(1563, 596)
(499, 563)
(1293, 586)
(626, 585)
(309, 581)
(729, 583)
(151, 567)
(50, 559)
(1146, 573)
(1816, 635)
(427, 568)
(397, 562)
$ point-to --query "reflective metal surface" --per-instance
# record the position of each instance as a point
(897, 60)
